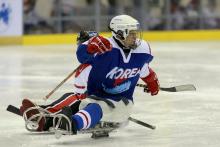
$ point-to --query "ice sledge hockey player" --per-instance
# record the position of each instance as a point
(113, 68)
(116, 64)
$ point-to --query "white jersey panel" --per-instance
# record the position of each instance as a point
(81, 80)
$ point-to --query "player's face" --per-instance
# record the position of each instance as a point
(130, 41)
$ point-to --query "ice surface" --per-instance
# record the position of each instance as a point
(183, 119)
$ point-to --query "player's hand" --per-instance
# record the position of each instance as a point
(152, 82)
(98, 44)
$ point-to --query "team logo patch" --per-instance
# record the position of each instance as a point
(118, 89)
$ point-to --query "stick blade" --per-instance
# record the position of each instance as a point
(187, 87)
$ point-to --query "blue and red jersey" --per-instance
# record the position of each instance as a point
(114, 74)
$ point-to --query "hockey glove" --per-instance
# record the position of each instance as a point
(98, 44)
(152, 82)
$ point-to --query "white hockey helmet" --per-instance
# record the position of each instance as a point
(121, 25)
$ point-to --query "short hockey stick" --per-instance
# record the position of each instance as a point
(64, 80)
(187, 87)
(16, 111)
(61, 83)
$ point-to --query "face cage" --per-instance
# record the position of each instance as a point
(137, 42)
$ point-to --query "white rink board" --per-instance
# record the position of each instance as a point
(183, 119)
